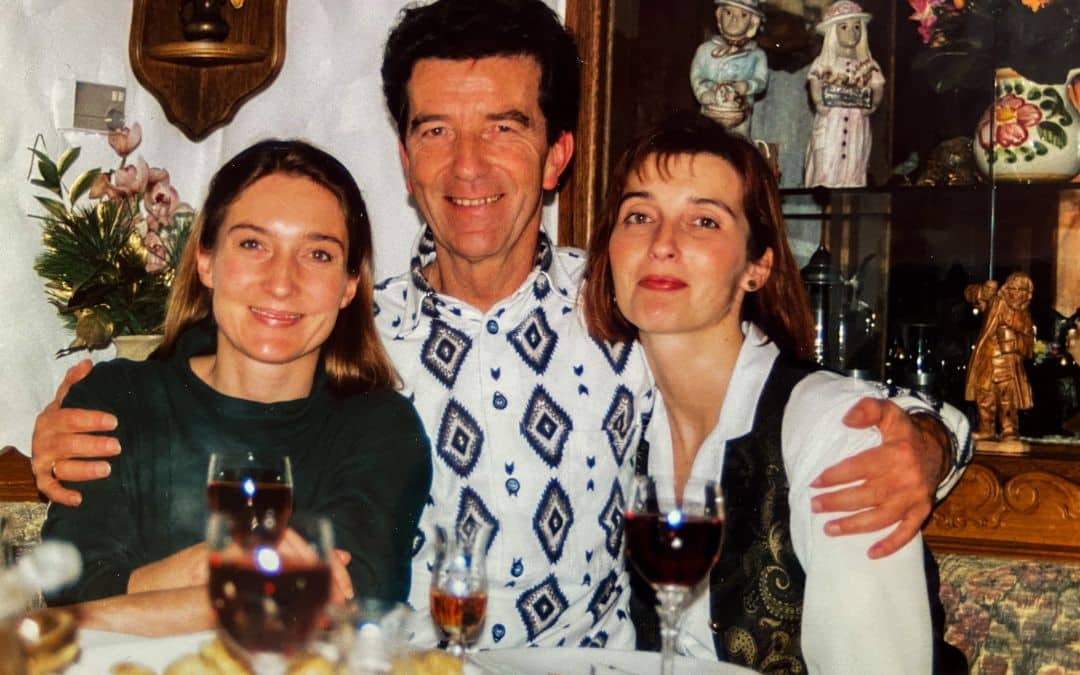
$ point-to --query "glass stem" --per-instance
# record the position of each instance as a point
(669, 605)
(456, 647)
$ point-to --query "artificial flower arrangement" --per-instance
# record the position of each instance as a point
(109, 259)
(965, 40)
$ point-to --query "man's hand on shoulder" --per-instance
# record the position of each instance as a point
(893, 483)
(64, 439)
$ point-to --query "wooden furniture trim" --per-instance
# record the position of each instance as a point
(17, 478)
(1034, 513)
(590, 21)
(207, 53)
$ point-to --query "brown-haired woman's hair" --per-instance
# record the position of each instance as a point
(353, 356)
(780, 307)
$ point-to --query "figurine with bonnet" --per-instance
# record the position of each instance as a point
(846, 86)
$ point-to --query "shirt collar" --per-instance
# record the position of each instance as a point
(422, 298)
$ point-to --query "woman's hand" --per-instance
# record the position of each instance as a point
(187, 567)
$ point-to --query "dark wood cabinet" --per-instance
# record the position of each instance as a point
(913, 240)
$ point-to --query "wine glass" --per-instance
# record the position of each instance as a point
(673, 544)
(459, 586)
(379, 636)
(254, 489)
(269, 596)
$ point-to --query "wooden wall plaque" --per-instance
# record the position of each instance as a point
(202, 84)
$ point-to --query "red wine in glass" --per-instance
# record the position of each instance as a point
(459, 617)
(258, 510)
(269, 597)
(673, 553)
(673, 541)
(255, 490)
(265, 612)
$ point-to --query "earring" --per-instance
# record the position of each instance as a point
(751, 285)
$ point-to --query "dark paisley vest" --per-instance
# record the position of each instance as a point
(756, 588)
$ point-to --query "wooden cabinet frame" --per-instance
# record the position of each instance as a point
(582, 193)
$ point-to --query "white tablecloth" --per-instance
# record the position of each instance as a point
(101, 650)
(569, 661)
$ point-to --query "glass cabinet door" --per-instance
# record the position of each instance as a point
(892, 260)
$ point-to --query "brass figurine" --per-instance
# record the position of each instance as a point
(996, 380)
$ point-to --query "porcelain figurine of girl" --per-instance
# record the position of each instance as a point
(846, 86)
(729, 70)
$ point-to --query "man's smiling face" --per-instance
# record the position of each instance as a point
(476, 157)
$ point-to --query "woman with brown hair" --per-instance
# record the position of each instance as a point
(270, 345)
(691, 259)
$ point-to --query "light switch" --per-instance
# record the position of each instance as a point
(98, 107)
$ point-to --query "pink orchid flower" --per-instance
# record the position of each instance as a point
(156, 175)
(1013, 116)
(162, 202)
(124, 141)
(925, 16)
(155, 253)
(132, 178)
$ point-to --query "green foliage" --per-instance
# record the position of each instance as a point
(94, 259)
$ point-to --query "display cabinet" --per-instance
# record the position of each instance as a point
(887, 264)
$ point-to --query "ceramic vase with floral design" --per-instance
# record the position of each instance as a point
(1032, 132)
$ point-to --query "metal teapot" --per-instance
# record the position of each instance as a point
(843, 321)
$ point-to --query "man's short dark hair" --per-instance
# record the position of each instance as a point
(475, 29)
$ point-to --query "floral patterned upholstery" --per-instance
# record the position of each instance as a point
(1012, 617)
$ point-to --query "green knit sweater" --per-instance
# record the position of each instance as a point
(363, 461)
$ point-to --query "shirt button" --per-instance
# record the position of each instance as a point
(492, 326)
(498, 400)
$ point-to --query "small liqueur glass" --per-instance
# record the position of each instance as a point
(458, 594)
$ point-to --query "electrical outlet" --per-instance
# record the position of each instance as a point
(98, 107)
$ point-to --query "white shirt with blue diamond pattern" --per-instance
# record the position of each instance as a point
(533, 427)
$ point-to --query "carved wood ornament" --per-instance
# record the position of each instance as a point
(1034, 513)
(201, 84)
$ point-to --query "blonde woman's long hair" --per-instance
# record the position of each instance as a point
(353, 356)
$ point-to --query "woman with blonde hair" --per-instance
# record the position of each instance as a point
(270, 345)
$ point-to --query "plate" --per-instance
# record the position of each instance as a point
(104, 650)
(582, 661)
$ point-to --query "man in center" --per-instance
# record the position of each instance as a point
(534, 425)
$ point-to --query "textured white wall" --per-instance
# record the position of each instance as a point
(328, 92)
